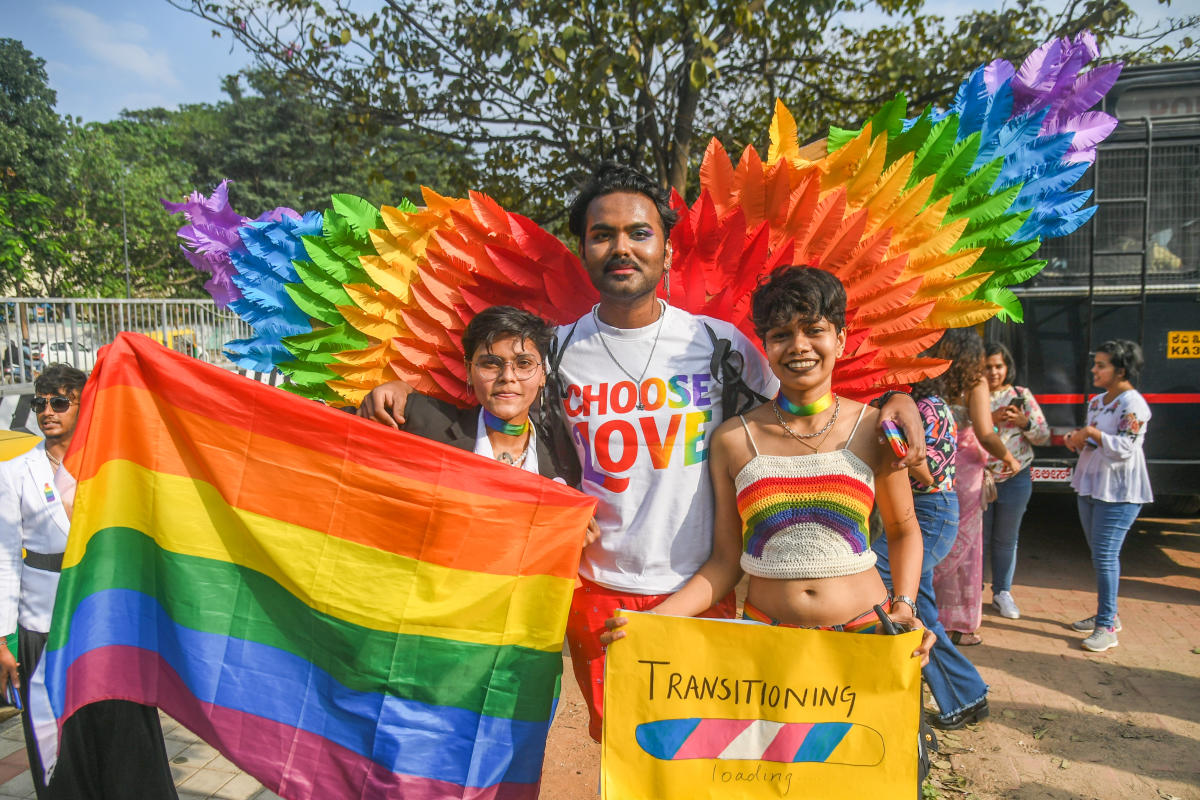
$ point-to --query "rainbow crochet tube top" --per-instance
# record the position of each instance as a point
(806, 516)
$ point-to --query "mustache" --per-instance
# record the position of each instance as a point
(621, 262)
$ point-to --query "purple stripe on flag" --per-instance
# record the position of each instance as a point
(289, 761)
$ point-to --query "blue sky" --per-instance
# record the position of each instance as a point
(106, 55)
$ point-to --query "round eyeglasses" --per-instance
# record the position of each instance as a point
(492, 367)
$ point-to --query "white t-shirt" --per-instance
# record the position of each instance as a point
(1114, 469)
(649, 467)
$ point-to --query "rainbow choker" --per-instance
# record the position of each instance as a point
(815, 407)
(500, 426)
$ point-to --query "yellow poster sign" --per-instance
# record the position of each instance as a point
(698, 708)
(1183, 344)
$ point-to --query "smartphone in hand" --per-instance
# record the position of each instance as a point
(1018, 403)
(895, 438)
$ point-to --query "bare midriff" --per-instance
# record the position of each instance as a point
(816, 602)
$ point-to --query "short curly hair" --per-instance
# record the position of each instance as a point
(1124, 355)
(797, 291)
(609, 177)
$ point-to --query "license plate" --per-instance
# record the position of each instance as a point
(1051, 474)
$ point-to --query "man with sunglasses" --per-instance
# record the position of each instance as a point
(107, 748)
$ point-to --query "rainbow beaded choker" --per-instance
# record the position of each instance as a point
(815, 407)
(500, 426)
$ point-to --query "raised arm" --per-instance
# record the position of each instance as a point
(1038, 431)
(979, 409)
(900, 408)
(905, 546)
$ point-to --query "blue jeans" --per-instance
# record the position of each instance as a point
(953, 680)
(1002, 526)
(1105, 525)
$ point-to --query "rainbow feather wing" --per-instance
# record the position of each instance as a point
(927, 220)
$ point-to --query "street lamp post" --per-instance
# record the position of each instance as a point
(125, 233)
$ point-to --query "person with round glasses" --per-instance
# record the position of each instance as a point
(505, 351)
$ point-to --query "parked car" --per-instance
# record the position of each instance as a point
(29, 355)
(77, 354)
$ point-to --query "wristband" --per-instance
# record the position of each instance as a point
(908, 601)
(881, 401)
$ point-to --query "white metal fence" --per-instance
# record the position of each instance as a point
(39, 331)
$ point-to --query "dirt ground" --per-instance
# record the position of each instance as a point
(1065, 724)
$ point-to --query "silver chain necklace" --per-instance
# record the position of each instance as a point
(637, 381)
(506, 458)
(800, 437)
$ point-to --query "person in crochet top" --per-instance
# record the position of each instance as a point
(795, 480)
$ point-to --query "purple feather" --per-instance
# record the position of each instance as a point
(1050, 71)
(208, 238)
(1086, 91)
(1090, 128)
(212, 234)
(996, 74)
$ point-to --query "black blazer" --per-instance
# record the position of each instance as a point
(438, 420)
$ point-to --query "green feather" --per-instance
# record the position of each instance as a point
(934, 149)
(361, 216)
(984, 207)
(334, 339)
(839, 138)
(313, 304)
(334, 264)
(958, 163)
(979, 182)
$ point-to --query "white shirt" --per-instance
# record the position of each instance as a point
(32, 516)
(1115, 470)
(649, 467)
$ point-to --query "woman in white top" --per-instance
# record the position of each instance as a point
(1111, 477)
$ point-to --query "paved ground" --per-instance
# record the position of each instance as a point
(1065, 724)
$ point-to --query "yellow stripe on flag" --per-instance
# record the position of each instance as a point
(350, 581)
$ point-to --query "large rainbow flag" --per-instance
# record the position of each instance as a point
(342, 610)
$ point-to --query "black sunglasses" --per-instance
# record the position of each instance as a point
(57, 403)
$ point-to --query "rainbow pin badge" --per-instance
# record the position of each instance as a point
(49, 493)
(761, 740)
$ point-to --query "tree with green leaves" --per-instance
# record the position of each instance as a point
(542, 89)
(31, 136)
(73, 196)
(279, 148)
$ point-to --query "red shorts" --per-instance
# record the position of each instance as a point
(590, 606)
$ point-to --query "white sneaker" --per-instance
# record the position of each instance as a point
(1089, 624)
(1100, 640)
(1004, 603)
